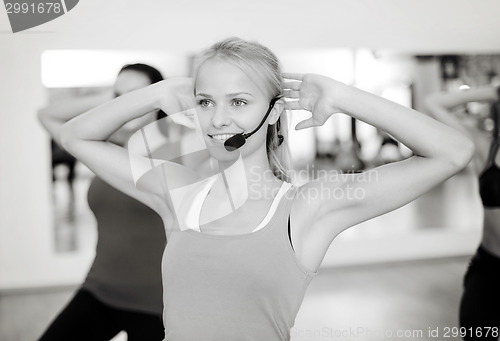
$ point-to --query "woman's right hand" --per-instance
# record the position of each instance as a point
(174, 95)
(315, 93)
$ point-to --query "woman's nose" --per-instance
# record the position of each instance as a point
(221, 117)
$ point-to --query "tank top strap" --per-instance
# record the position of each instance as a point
(496, 117)
(282, 213)
(495, 144)
(274, 206)
(289, 197)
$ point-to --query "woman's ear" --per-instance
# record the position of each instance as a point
(278, 108)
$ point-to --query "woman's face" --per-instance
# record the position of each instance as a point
(229, 102)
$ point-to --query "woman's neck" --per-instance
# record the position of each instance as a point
(254, 169)
(258, 170)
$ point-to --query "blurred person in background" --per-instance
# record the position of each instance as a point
(122, 290)
(480, 303)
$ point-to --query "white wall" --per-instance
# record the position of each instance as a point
(26, 259)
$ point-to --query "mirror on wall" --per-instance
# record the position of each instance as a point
(342, 144)
(75, 75)
(70, 181)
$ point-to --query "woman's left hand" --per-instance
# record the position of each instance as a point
(314, 93)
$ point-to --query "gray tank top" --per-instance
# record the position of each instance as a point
(233, 287)
(126, 272)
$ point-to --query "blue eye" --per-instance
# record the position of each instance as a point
(238, 102)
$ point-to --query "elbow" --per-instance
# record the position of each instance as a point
(464, 151)
(66, 137)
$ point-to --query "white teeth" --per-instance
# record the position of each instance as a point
(222, 137)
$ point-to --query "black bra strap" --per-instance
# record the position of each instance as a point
(496, 116)
(290, 233)
(495, 144)
(495, 108)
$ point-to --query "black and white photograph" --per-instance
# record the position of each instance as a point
(249, 170)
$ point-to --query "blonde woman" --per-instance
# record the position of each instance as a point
(241, 272)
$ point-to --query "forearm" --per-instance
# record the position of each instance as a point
(99, 123)
(451, 100)
(425, 136)
(440, 106)
(53, 116)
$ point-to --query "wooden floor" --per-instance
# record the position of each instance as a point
(377, 301)
(342, 303)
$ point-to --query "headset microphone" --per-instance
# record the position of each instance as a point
(238, 140)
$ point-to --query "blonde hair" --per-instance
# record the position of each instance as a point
(263, 63)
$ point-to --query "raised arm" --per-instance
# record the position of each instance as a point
(441, 105)
(87, 135)
(440, 152)
(54, 115)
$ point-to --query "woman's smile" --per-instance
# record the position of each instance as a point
(221, 137)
